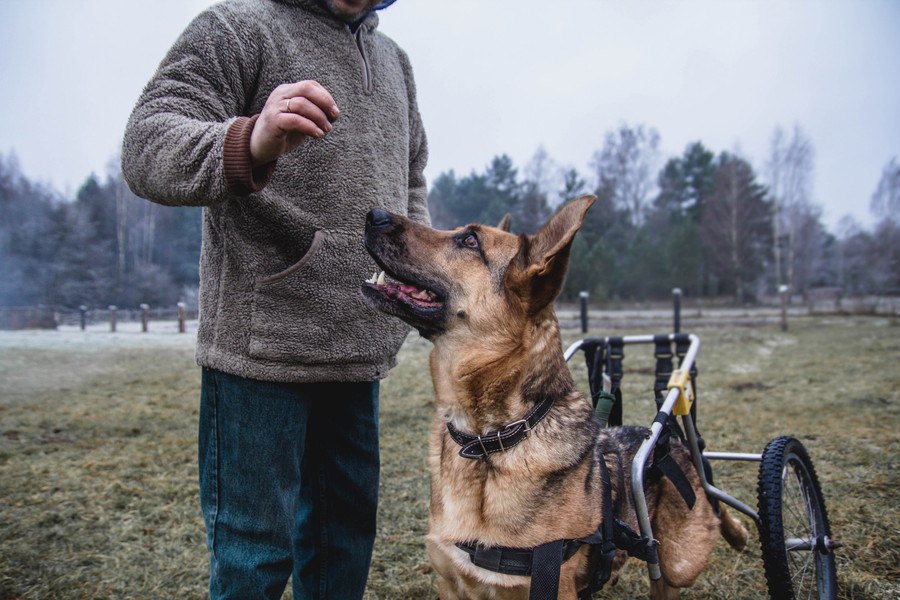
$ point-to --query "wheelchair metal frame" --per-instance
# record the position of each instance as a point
(638, 465)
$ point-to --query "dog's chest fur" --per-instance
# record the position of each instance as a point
(514, 498)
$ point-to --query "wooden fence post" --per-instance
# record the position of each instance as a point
(112, 317)
(783, 292)
(83, 310)
(145, 317)
(182, 317)
(676, 309)
(584, 311)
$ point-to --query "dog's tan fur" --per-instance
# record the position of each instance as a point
(497, 351)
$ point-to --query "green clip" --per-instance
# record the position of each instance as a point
(603, 405)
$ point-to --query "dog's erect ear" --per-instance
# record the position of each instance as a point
(548, 252)
(556, 235)
(504, 222)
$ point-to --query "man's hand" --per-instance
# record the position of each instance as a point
(293, 112)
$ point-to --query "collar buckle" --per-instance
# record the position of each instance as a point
(509, 427)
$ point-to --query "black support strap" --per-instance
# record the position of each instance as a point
(666, 466)
(595, 359)
(635, 544)
(664, 366)
(614, 355)
(663, 353)
(511, 561)
(602, 541)
(545, 567)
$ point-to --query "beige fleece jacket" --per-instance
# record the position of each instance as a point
(282, 256)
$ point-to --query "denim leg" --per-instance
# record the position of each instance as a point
(251, 435)
(335, 522)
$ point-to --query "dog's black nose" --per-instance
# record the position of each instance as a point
(379, 218)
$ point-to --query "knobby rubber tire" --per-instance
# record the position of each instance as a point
(786, 464)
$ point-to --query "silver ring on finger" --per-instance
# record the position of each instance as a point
(289, 105)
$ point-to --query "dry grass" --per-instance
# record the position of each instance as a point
(98, 493)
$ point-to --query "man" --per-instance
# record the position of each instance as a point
(287, 121)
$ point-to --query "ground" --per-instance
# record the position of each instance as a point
(98, 491)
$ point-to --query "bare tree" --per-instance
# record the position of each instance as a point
(626, 165)
(884, 256)
(542, 171)
(123, 196)
(143, 223)
(809, 262)
(847, 229)
(534, 208)
(790, 170)
(886, 199)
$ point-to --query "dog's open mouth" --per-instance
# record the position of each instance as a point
(412, 295)
(408, 289)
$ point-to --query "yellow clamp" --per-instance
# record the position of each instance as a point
(682, 381)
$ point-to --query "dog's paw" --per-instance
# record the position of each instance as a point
(734, 532)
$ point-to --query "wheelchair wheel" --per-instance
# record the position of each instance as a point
(797, 550)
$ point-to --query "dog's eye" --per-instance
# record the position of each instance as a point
(470, 241)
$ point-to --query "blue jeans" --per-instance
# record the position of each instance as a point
(288, 486)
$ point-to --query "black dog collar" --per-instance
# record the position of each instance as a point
(479, 446)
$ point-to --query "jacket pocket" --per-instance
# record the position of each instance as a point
(313, 312)
(314, 248)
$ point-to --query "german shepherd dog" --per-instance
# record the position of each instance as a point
(484, 297)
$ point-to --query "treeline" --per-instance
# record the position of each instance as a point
(706, 222)
(709, 223)
(104, 246)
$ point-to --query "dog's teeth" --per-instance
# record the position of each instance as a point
(373, 278)
(380, 280)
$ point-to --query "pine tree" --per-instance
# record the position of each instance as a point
(737, 226)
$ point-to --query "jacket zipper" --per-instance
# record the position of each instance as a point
(368, 84)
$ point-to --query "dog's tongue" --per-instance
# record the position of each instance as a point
(397, 289)
(411, 291)
(416, 293)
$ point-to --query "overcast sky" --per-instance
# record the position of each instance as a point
(499, 76)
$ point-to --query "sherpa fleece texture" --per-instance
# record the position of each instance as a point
(283, 256)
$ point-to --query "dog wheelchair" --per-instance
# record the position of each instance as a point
(797, 547)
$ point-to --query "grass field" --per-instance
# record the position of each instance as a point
(98, 492)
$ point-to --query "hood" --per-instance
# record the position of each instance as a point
(369, 19)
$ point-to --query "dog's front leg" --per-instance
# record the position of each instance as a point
(446, 591)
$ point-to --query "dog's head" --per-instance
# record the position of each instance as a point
(476, 279)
